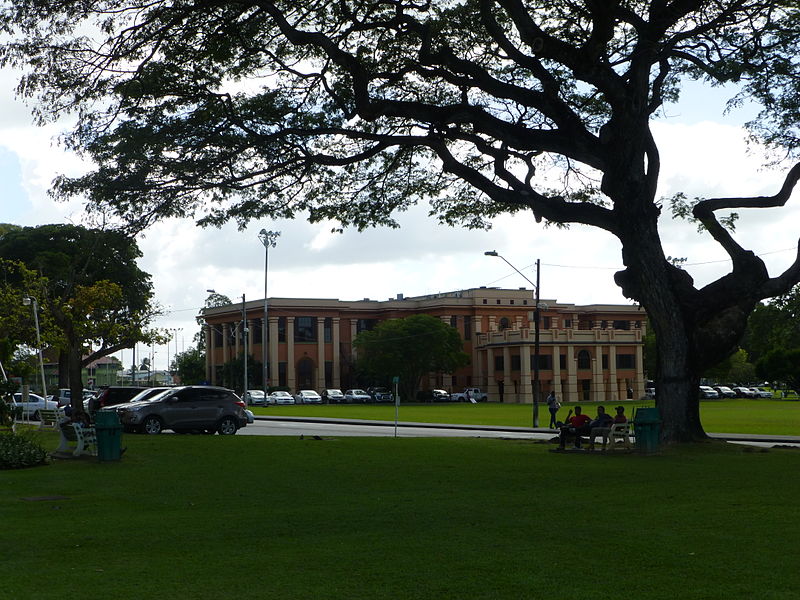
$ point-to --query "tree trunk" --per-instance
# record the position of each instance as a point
(76, 381)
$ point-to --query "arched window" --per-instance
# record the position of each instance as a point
(584, 360)
(504, 324)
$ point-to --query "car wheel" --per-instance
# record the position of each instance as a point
(227, 426)
(152, 425)
(37, 416)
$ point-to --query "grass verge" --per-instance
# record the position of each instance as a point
(259, 517)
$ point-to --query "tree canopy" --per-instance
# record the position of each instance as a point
(409, 348)
(356, 109)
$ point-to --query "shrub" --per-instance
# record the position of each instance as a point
(18, 451)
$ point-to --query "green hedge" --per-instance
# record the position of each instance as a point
(19, 451)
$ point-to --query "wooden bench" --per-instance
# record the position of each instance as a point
(83, 438)
(50, 418)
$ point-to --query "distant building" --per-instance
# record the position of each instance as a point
(587, 353)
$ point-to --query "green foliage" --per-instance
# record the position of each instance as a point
(191, 366)
(410, 348)
(781, 365)
(20, 451)
(233, 374)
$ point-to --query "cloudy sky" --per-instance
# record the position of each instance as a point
(703, 154)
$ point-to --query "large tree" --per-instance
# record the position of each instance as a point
(409, 348)
(93, 292)
(356, 109)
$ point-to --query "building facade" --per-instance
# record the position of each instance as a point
(586, 353)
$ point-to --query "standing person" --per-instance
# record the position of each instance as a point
(553, 405)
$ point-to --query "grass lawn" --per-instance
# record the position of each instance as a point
(775, 417)
(196, 517)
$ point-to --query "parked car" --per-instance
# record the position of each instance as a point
(440, 395)
(650, 392)
(308, 397)
(255, 397)
(706, 391)
(761, 392)
(380, 394)
(357, 395)
(185, 409)
(332, 396)
(724, 391)
(64, 396)
(744, 392)
(31, 407)
(111, 396)
(280, 397)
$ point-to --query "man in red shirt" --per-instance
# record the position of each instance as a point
(576, 425)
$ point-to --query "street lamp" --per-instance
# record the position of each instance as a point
(29, 301)
(270, 240)
(535, 333)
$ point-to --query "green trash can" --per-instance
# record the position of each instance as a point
(647, 430)
(109, 435)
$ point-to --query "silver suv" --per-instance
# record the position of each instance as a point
(186, 409)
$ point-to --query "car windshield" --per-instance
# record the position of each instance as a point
(149, 395)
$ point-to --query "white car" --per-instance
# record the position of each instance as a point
(30, 409)
(255, 397)
(357, 396)
(707, 391)
(761, 392)
(744, 392)
(308, 397)
(280, 397)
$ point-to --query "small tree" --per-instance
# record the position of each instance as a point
(410, 348)
(190, 366)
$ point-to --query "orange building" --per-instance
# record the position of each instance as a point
(587, 353)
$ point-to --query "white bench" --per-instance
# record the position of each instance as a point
(50, 418)
(83, 438)
(618, 431)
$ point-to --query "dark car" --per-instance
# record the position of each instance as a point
(186, 409)
(380, 394)
(111, 396)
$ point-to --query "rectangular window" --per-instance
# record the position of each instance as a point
(547, 323)
(516, 362)
(327, 328)
(454, 322)
(626, 361)
(328, 374)
(567, 323)
(605, 361)
(545, 362)
(365, 325)
(467, 328)
(282, 374)
(498, 363)
(305, 329)
(255, 331)
(622, 325)
(562, 361)
(282, 329)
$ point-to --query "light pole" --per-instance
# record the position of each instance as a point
(535, 333)
(244, 342)
(270, 240)
(29, 301)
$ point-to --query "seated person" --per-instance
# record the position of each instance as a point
(576, 425)
(602, 424)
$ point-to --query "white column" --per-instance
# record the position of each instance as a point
(290, 361)
(337, 358)
(320, 353)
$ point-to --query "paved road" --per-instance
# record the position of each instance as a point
(296, 426)
(328, 429)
